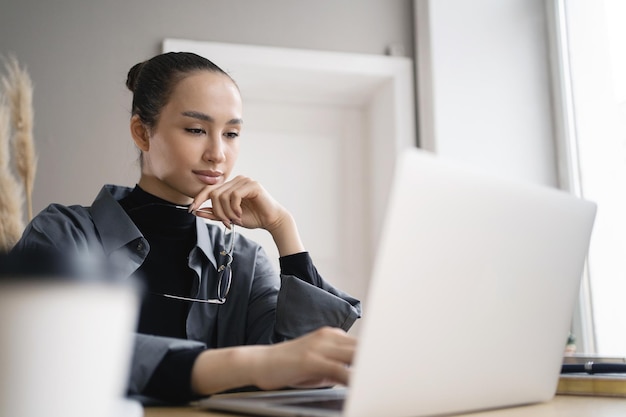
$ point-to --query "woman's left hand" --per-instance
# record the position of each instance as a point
(242, 201)
(246, 203)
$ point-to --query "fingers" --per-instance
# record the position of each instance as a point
(242, 201)
(335, 344)
(326, 373)
(333, 352)
(337, 373)
(226, 200)
(334, 368)
(320, 358)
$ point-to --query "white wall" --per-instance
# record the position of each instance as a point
(484, 85)
(78, 53)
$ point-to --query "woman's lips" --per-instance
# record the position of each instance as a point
(209, 177)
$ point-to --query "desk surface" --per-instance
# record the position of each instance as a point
(561, 405)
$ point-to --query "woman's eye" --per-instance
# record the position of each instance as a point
(195, 131)
(232, 135)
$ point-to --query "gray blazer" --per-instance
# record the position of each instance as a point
(263, 306)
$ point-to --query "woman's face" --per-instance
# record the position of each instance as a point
(196, 139)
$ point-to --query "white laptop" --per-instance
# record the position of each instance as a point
(470, 300)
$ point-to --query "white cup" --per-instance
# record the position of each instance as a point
(65, 347)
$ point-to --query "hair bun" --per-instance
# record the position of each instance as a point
(133, 75)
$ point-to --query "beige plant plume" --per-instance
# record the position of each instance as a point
(11, 224)
(16, 115)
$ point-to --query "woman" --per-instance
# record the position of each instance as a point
(215, 310)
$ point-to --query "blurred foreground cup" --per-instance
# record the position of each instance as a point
(65, 344)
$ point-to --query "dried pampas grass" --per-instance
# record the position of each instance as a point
(16, 117)
(11, 224)
(19, 91)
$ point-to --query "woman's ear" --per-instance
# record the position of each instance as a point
(140, 133)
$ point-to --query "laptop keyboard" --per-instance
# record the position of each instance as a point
(330, 404)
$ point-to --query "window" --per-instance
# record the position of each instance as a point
(590, 48)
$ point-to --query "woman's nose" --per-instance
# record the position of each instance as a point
(214, 150)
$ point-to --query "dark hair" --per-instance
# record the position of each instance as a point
(153, 81)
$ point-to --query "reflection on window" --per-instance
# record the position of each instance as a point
(596, 45)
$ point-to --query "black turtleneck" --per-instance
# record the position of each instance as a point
(171, 233)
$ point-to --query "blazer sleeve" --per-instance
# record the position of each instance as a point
(307, 302)
(148, 353)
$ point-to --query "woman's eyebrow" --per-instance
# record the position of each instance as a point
(206, 118)
(198, 115)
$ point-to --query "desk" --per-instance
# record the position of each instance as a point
(561, 405)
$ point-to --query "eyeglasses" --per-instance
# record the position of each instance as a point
(224, 271)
